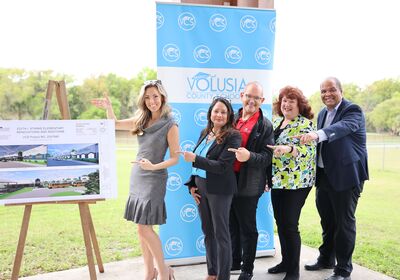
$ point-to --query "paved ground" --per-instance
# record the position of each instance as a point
(132, 269)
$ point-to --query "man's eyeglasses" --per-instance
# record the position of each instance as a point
(152, 82)
(255, 98)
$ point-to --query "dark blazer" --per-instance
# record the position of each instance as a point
(253, 173)
(344, 153)
(220, 178)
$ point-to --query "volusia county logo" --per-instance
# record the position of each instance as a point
(200, 245)
(263, 239)
(272, 25)
(200, 117)
(217, 22)
(174, 181)
(186, 21)
(187, 146)
(188, 213)
(248, 24)
(171, 52)
(173, 246)
(206, 85)
(176, 115)
(263, 56)
(233, 55)
(202, 54)
(159, 19)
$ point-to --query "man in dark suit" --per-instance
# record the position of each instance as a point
(342, 169)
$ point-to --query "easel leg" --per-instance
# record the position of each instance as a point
(83, 209)
(21, 242)
(94, 241)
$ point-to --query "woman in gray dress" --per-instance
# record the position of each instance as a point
(156, 131)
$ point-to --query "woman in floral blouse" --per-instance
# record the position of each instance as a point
(293, 174)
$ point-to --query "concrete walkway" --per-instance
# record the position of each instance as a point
(132, 269)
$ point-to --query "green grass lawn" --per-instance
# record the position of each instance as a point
(36, 161)
(378, 219)
(6, 195)
(55, 239)
(378, 224)
(70, 193)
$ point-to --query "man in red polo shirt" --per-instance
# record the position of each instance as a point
(252, 160)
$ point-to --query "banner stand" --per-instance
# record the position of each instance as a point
(205, 51)
(89, 234)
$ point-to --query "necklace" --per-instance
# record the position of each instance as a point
(210, 137)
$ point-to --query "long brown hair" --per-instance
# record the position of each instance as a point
(143, 114)
(228, 128)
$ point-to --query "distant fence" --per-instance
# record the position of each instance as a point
(125, 139)
(383, 152)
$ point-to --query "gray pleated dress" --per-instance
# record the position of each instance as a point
(146, 204)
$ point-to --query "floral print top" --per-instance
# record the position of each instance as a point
(294, 172)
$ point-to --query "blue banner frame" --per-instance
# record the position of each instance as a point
(202, 52)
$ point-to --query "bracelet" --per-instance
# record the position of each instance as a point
(291, 149)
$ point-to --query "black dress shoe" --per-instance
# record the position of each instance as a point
(318, 266)
(335, 276)
(245, 276)
(279, 268)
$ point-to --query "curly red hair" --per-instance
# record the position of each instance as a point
(302, 102)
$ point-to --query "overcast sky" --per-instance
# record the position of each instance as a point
(355, 40)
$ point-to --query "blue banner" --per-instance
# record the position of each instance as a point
(202, 52)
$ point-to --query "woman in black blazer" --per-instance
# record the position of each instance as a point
(213, 183)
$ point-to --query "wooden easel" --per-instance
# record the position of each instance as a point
(89, 234)
(61, 93)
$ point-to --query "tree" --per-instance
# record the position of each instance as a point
(316, 103)
(386, 116)
(378, 92)
(93, 184)
(22, 92)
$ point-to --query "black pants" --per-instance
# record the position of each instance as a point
(243, 229)
(214, 213)
(287, 206)
(337, 212)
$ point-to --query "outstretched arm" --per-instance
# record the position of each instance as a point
(105, 103)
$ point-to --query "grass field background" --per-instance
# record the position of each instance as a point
(378, 219)
(55, 240)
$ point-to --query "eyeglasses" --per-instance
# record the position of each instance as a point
(152, 82)
(255, 98)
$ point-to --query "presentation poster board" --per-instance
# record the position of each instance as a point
(57, 160)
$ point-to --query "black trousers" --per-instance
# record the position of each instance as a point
(337, 212)
(214, 213)
(287, 206)
(243, 229)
